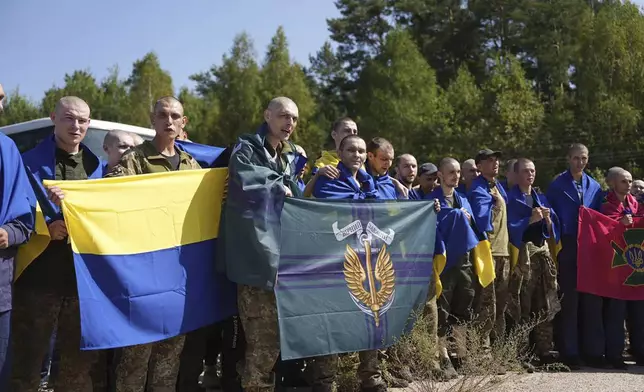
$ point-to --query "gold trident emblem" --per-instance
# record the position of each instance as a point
(355, 277)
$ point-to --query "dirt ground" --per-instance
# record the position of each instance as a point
(585, 380)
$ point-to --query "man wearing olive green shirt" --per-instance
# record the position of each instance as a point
(159, 360)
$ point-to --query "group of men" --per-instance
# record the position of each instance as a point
(522, 226)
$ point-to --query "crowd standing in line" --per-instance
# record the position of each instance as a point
(588, 330)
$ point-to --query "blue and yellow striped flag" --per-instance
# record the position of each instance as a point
(144, 250)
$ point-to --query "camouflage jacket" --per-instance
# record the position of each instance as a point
(145, 159)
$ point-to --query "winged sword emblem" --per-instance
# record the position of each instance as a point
(379, 297)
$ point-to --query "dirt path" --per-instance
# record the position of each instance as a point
(585, 380)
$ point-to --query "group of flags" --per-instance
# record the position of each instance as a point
(350, 275)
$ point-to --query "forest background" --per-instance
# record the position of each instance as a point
(436, 77)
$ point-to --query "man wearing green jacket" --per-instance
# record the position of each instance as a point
(262, 172)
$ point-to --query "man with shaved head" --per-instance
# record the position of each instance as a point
(262, 171)
(534, 280)
(469, 172)
(638, 190)
(329, 159)
(569, 191)
(406, 170)
(620, 205)
(115, 143)
(46, 293)
(455, 301)
(155, 364)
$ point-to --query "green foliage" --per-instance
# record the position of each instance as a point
(398, 98)
(236, 85)
(147, 83)
(18, 109)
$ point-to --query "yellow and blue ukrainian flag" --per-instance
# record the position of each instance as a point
(144, 252)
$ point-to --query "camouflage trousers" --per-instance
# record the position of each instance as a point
(492, 301)
(151, 367)
(455, 302)
(33, 319)
(533, 293)
(324, 371)
(258, 314)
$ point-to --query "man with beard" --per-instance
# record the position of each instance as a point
(406, 170)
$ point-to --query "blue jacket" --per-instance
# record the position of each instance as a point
(564, 199)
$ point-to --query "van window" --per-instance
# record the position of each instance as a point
(29, 139)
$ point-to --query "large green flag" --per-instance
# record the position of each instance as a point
(351, 273)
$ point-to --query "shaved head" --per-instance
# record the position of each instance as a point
(115, 135)
(115, 144)
(168, 119)
(71, 121)
(279, 103)
(68, 102)
(406, 169)
(281, 116)
(449, 172)
(469, 171)
(469, 164)
(638, 188)
(613, 173)
(168, 100)
(448, 162)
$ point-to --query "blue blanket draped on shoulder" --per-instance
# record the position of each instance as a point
(351, 273)
(205, 155)
(250, 226)
(144, 249)
(461, 235)
(16, 193)
(40, 163)
(519, 214)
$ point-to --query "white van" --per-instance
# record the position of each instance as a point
(27, 134)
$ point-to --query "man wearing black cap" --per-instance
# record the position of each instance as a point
(488, 200)
(427, 181)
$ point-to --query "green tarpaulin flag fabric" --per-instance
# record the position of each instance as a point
(249, 228)
(351, 273)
